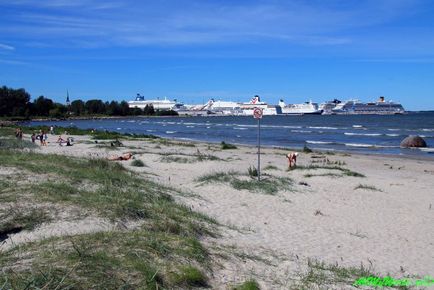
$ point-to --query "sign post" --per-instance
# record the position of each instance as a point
(257, 114)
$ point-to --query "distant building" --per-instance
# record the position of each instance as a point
(68, 103)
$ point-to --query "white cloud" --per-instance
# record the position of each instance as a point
(87, 23)
(6, 47)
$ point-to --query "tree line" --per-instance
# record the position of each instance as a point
(16, 103)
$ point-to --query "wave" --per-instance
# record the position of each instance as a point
(150, 130)
(118, 128)
(363, 134)
(363, 145)
(357, 126)
(427, 150)
(301, 131)
(428, 130)
(324, 128)
(393, 135)
(190, 126)
(241, 128)
(320, 142)
(393, 129)
(170, 132)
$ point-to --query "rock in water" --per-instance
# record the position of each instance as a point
(413, 141)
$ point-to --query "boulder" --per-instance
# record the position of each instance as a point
(413, 141)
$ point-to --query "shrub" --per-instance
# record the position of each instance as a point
(253, 172)
(307, 149)
(137, 163)
(248, 285)
(226, 146)
(190, 276)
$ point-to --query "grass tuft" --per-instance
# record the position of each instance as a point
(367, 187)
(189, 276)
(248, 285)
(252, 171)
(267, 185)
(138, 163)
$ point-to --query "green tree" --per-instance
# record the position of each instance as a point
(14, 102)
(149, 110)
(42, 106)
(78, 107)
(95, 107)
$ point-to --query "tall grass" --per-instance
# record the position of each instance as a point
(166, 238)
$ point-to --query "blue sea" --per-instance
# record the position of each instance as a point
(361, 134)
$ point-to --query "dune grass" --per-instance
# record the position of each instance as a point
(248, 285)
(166, 239)
(320, 275)
(367, 187)
(188, 158)
(267, 185)
(344, 171)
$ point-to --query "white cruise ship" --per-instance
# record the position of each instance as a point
(327, 107)
(255, 102)
(226, 108)
(299, 109)
(381, 107)
(159, 105)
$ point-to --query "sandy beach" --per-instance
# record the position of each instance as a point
(333, 208)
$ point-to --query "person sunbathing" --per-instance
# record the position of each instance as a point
(60, 140)
(123, 157)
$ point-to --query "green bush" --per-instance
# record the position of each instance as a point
(190, 276)
(252, 171)
(226, 146)
(248, 285)
(137, 163)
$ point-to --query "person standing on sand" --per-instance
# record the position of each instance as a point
(33, 137)
(45, 138)
(41, 137)
(52, 130)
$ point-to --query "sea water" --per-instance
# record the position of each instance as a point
(372, 134)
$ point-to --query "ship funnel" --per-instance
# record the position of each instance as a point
(381, 99)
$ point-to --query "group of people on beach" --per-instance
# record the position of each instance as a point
(42, 137)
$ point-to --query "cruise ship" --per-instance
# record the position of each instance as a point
(159, 105)
(255, 102)
(327, 107)
(299, 109)
(380, 107)
(226, 108)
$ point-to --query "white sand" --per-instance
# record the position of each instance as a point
(391, 229)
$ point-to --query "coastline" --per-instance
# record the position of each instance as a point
(334, 208)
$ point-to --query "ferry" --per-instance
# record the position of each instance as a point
(159, 105)
(299, 109)
(380, 107)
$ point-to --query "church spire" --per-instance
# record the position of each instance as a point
(67, 98)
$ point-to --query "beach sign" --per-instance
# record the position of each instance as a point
(257, 113)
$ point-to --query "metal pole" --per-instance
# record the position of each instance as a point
(259, 149)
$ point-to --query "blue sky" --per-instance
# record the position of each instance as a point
(196, 49)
